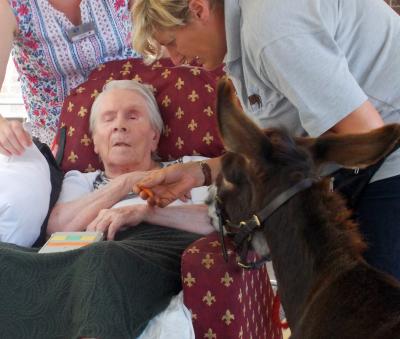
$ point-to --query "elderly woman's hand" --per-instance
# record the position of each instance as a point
(110, 221)
(161, 187)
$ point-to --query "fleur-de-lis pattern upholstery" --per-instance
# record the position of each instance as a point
(226, 301)
(186, 97)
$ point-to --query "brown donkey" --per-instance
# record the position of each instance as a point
(326, 288)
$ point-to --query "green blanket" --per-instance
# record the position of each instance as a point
(107, 290)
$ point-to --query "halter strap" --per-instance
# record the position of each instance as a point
(242, 238)
(283, 197)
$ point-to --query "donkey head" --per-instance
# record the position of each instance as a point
(259, 165)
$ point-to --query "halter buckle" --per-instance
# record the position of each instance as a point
(252, 222)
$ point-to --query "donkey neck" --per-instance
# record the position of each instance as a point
(310, 237)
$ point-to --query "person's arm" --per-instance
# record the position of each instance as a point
(313, 73)
(190, 218)
(13, 138)
(8, 27)
(76, 214)
(174, 182)
(363, 119)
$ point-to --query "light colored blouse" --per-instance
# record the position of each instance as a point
(50, 63)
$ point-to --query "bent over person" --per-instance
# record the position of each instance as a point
(311, 66)
(110, 289)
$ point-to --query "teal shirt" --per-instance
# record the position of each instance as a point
(307, 64)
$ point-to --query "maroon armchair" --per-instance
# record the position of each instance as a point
(225, 300)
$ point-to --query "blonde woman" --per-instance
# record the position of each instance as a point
(313, 66)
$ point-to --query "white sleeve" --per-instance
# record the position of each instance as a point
(199, 194)
(312, 72)
(75, 185)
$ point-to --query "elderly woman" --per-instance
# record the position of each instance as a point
(125, 136)
(109, 289)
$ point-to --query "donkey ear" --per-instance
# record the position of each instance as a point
(238, 132)
(354, 150)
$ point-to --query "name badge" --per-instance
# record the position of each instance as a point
(82, 31)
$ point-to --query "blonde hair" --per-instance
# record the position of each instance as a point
(132, 85)
(149, 16)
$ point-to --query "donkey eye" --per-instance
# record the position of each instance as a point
(233, 168)
(235, 178)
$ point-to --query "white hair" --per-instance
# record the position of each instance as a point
(132, 85)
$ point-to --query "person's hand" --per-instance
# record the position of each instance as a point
(110, 221)
(161, 187)
(13, 137)
(130, 179)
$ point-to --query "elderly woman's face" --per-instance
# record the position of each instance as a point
(122, 133)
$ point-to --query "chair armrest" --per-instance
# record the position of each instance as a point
(225, 300)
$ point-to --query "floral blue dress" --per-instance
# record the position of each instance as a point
(50, 63)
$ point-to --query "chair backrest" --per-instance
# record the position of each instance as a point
(187, 101)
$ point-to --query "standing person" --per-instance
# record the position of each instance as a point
(313, 66)
(55, 44)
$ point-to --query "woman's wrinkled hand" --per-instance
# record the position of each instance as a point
(162, 187)
(110, 221)
(13, 137)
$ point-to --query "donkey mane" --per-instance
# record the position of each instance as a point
(315, 226)
(326, 210)
(330, 222)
